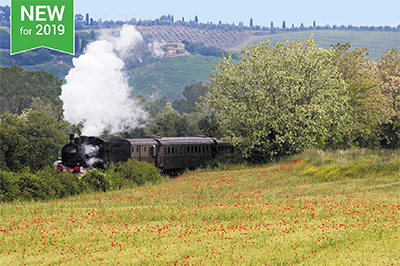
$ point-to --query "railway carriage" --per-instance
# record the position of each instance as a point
(167, 153)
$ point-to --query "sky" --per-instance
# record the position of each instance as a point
(323, 12)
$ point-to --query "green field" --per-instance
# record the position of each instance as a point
(169, 77)
(318, 208)
(376, 42)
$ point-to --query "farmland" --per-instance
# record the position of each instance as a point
(318, 208)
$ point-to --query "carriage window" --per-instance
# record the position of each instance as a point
(133, 150)
(145, 149)
(188, 149)
(137, 149)
(191, 149)
(172, 150)
(169, 150)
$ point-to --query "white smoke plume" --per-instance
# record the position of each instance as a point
(96, 91)
(156, 49)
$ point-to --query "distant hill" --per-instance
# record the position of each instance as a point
(169, 76)
(377, 42)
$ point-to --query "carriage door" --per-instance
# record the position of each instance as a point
(136, 152)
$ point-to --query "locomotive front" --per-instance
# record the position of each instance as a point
(82, 153)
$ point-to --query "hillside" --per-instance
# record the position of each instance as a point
(376, 42)
(319, 208)
(169, 76)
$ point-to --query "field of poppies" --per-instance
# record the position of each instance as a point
(318, 208)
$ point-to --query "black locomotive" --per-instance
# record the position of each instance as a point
(167, 153)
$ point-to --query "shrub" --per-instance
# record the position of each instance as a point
(96, 180)
(8, 188)
(50, 183)
(32, 186)
(139, 172)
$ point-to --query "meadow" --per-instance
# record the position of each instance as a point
(317, 208)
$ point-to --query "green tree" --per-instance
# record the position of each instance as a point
(192, 94)
(32, 139)
(21, 89)
(279, 99)
(4, 39)
(166, 123)
(389, 77)
(369, 105)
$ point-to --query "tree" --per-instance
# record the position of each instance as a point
(4, 39)
(18, 88)
(32, 139)
(369, 106)
(389, 77)
(279, 99)
(192, 94)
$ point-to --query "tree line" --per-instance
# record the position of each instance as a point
(273, 100)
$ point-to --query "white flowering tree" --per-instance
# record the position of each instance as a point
(279, 99)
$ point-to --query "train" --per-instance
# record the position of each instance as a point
(166, 153)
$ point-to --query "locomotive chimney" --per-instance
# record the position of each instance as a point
(71, 138)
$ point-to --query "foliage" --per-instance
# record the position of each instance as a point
(96, 180)
(279, 100)
(4, 39)
(35, 57)
(170, 123)
(389, 76)
(43, 185)
(200, 48)
(192, 94)
(50, 183)
(139, 172)
(369, 106)
(32, 139)
(21, 89)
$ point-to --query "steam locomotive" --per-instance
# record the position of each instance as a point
(167, 153)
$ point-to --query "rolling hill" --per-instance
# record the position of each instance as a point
(169, 76)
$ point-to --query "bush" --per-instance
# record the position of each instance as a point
(50, 183)
(96, 180)
(138, 172)
(8, 188)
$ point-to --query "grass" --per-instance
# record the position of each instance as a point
(268, 215)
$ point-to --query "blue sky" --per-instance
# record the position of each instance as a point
(332, 12)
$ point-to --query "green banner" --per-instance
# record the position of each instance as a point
(42, 23)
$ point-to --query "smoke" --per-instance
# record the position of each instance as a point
(156, 49)
(91, 154)
(96, 92)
